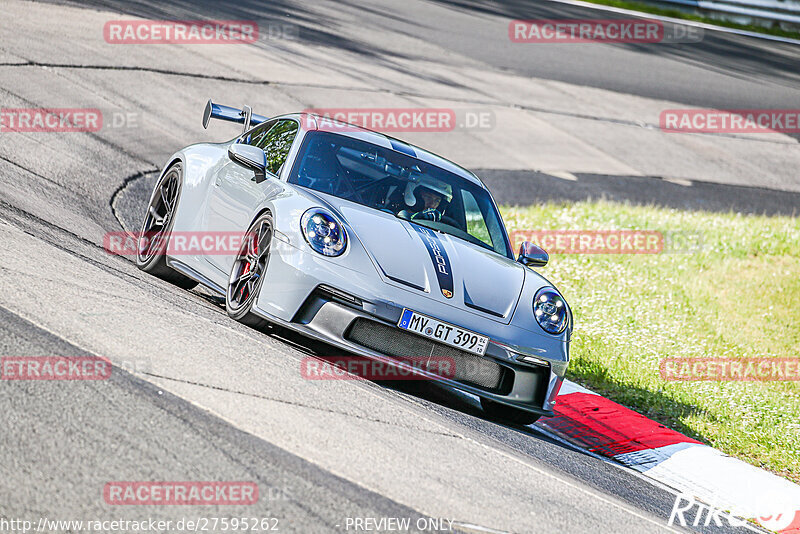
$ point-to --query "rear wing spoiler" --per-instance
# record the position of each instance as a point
(226, 113)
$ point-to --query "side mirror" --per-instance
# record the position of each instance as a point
(532, 255)
(249, 156)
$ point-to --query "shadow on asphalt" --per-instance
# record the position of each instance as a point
(270, 16)
(716, 51)
(664, 409)
(427, 390)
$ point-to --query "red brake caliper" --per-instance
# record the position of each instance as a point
(247, 268)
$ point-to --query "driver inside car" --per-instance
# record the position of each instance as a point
(425, 199)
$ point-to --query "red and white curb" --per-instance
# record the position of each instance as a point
(603, 427)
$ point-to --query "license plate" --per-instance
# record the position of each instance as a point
(443, 332)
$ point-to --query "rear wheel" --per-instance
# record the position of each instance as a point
(157, 227)
(247, 273)
(509, 414)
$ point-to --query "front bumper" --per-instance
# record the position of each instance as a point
(523, 386)
(323, 300)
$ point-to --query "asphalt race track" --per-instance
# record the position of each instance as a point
(197, 396)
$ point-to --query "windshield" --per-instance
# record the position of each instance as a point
(401, 185)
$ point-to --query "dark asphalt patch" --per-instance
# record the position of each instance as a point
(525, 188)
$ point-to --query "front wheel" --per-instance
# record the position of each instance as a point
(247, 273)
(509, 414)
(157, 228)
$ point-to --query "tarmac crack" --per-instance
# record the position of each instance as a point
(94, 135)
(119, 190)
(166, 72)
(498, 103)
(36, 174)
(298, 404)
(14, 217)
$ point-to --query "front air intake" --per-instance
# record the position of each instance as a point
(469, 368)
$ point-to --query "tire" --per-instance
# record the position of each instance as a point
(157, 226)
(247, 272)
(508, 414)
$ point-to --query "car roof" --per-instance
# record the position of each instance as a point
(315, 122)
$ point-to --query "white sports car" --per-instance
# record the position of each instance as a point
(370, 244)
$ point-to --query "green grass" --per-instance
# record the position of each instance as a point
(737, 296)
(678, 14)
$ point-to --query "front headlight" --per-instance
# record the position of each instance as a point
(550, 310)
(323, 233)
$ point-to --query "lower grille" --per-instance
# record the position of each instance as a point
(469, 368)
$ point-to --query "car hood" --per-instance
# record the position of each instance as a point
(444, 267)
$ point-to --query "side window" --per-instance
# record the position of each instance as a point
(256, 135)
(276, 143)
(476, 226)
